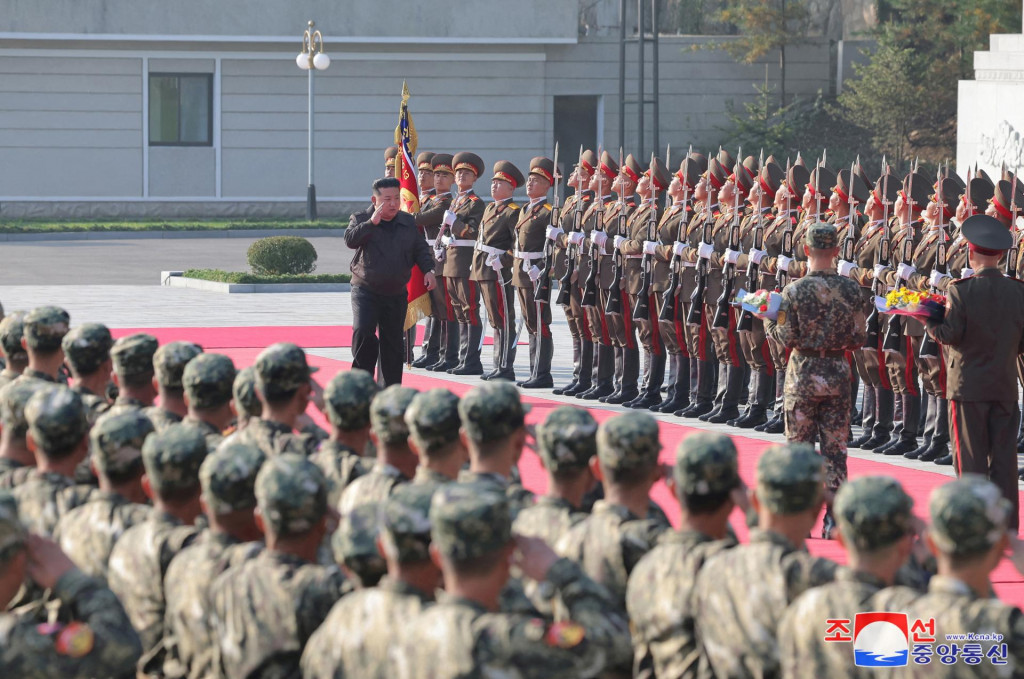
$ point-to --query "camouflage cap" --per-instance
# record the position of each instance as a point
(354, 544)
(133, 355)
(208, 380)
(433, 419)
(14, 396)
(12, 329)
(87, 347)
(706, 465)
(790, 478)
(387, 414)
(173, 457)
(12, 532)
(283, 366)
(969, 515)
(228, 477)
(468, 522)
(628, 441)
(873, 512)
(492, 411)
(567, 439)
(170, 360)
(821, 236)
(57, 419)
(45, 327)
(347, 397)
(291, 493)
(247, 403)
(116, 441)
(405, 522)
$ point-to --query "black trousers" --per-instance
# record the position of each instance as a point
(377, 322)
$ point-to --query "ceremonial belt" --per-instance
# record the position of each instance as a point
(821, 353)
(633, 256)
(497, 252)
(461, 243)
(688, 265)
(520, 254)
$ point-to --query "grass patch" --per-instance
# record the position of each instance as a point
(219, 276)
(50, 226)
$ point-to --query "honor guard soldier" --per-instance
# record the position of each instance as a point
(425, 176)
(574, 209)
(974, 202)
(390, 154)
(443, 332)
(463, 223)
(530, 237)
(491, 268)
(1004, 206)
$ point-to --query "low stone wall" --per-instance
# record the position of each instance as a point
(127, 210)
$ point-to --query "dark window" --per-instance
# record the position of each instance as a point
(180, 109)
(575, 124)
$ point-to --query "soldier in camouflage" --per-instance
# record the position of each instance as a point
(44, 327)
(876, 526)
(132, 357)
(821, 318)
(661, 590)
(12, 330)
(494, 428)
(207, 381)
(87, 351)
(169, 363)
(264, 610)
(140, 558)
(396, 462)
(739, 640)
(228, 479)
(347, 403)
(16, 460)
(465, 635)
(58, 428)
(88, 533)
(94, 639)
(244, 397)
(354, 545)
(358, 637)
(433, 421)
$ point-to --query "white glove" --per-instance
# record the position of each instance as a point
(846, 267)
(439, 254)
(449, 218)
(966, 272)
(878, 271)
(576, 237)
(936, 276)
(534, 274)
(599, 238)
(447, 240)
(756, 255)
(905, 271)
(705, 250)
(678, 248)
(784, 262)
(649, 246)
(618, 241)
(732, 256)
(554, 232)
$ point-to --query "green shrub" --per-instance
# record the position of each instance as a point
(282, 255)
(221, 276)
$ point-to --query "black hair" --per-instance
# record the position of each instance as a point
(705, 504)
(385, 183)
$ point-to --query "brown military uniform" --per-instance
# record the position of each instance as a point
(429, 219)
(469, 210)
(530, 243)
(494, 240)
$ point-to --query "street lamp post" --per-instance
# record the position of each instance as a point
(312, 58)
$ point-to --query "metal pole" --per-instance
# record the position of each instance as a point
(311, 189)
(654, 75)
(640, 77)
(622, 72)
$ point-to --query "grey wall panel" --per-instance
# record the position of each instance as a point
(182, 171)
(71, 172)
(182, 65)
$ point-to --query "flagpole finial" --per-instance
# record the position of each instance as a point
(405, 92)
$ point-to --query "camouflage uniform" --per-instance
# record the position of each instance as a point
(57, 422)
(169, 363)
(132, 357)
(44, 329)
(140, 558)
(264, 610)
(738, 636)
(347, 398)
(228, 477)
(207, 381)
(821, 317)
(660, 595)
(354, 544)
(99, 642)
(86, 348)
(243, 393)
(88, 533)
(12, 329)
(433, 421)
(357, 638)
(873, 513)
(14, 396)
(387, 418)
(458, 637)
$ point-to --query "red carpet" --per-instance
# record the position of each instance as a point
(1008, 583)
(309, 336)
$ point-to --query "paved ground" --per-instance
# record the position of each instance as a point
(138, 261)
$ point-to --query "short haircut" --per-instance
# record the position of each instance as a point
(385, 183)
(705, 504)
(632, 476)
(478, 565)
(136, 381)
(274, 395)
(134, 472)
(568, 474)
(442, 453)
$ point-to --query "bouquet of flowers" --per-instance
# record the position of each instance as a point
(906, 302)
(763, 303)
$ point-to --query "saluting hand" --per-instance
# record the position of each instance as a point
(375, 218)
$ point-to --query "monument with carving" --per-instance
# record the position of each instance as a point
(990, 113)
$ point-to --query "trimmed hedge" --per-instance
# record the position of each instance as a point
(49, 226)
(220, 276)
(282, 255)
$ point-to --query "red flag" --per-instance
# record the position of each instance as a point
(405, 170)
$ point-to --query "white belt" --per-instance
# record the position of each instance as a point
(633, 256)
(688, 265)
(528, 255)
(497, 252)
(462, 243)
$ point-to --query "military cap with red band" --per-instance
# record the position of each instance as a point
(508, 172)
(661, 176)
(469, 161)
(443, 162)
(915, 187)
(948, 194)
(608, 167)
(1001, 199)
(701, 161)
(689, 172)
(425, 161)
(979, 192)
(986, 235)
(716, 174)
(588, 161)
(843, 187)
(770, 178)
(796, 180)
(390, 153)
(821, 181)
(543, 168)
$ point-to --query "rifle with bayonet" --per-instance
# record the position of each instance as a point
(543, 292)
(1011, 255)
(565, 283)
(589, 298)
(929, 347)
(746, 321)
(642, 308)
(894, 335)
(669, 297)
(874, 320)
(723, 308)
(696, 313)
(614, 303)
